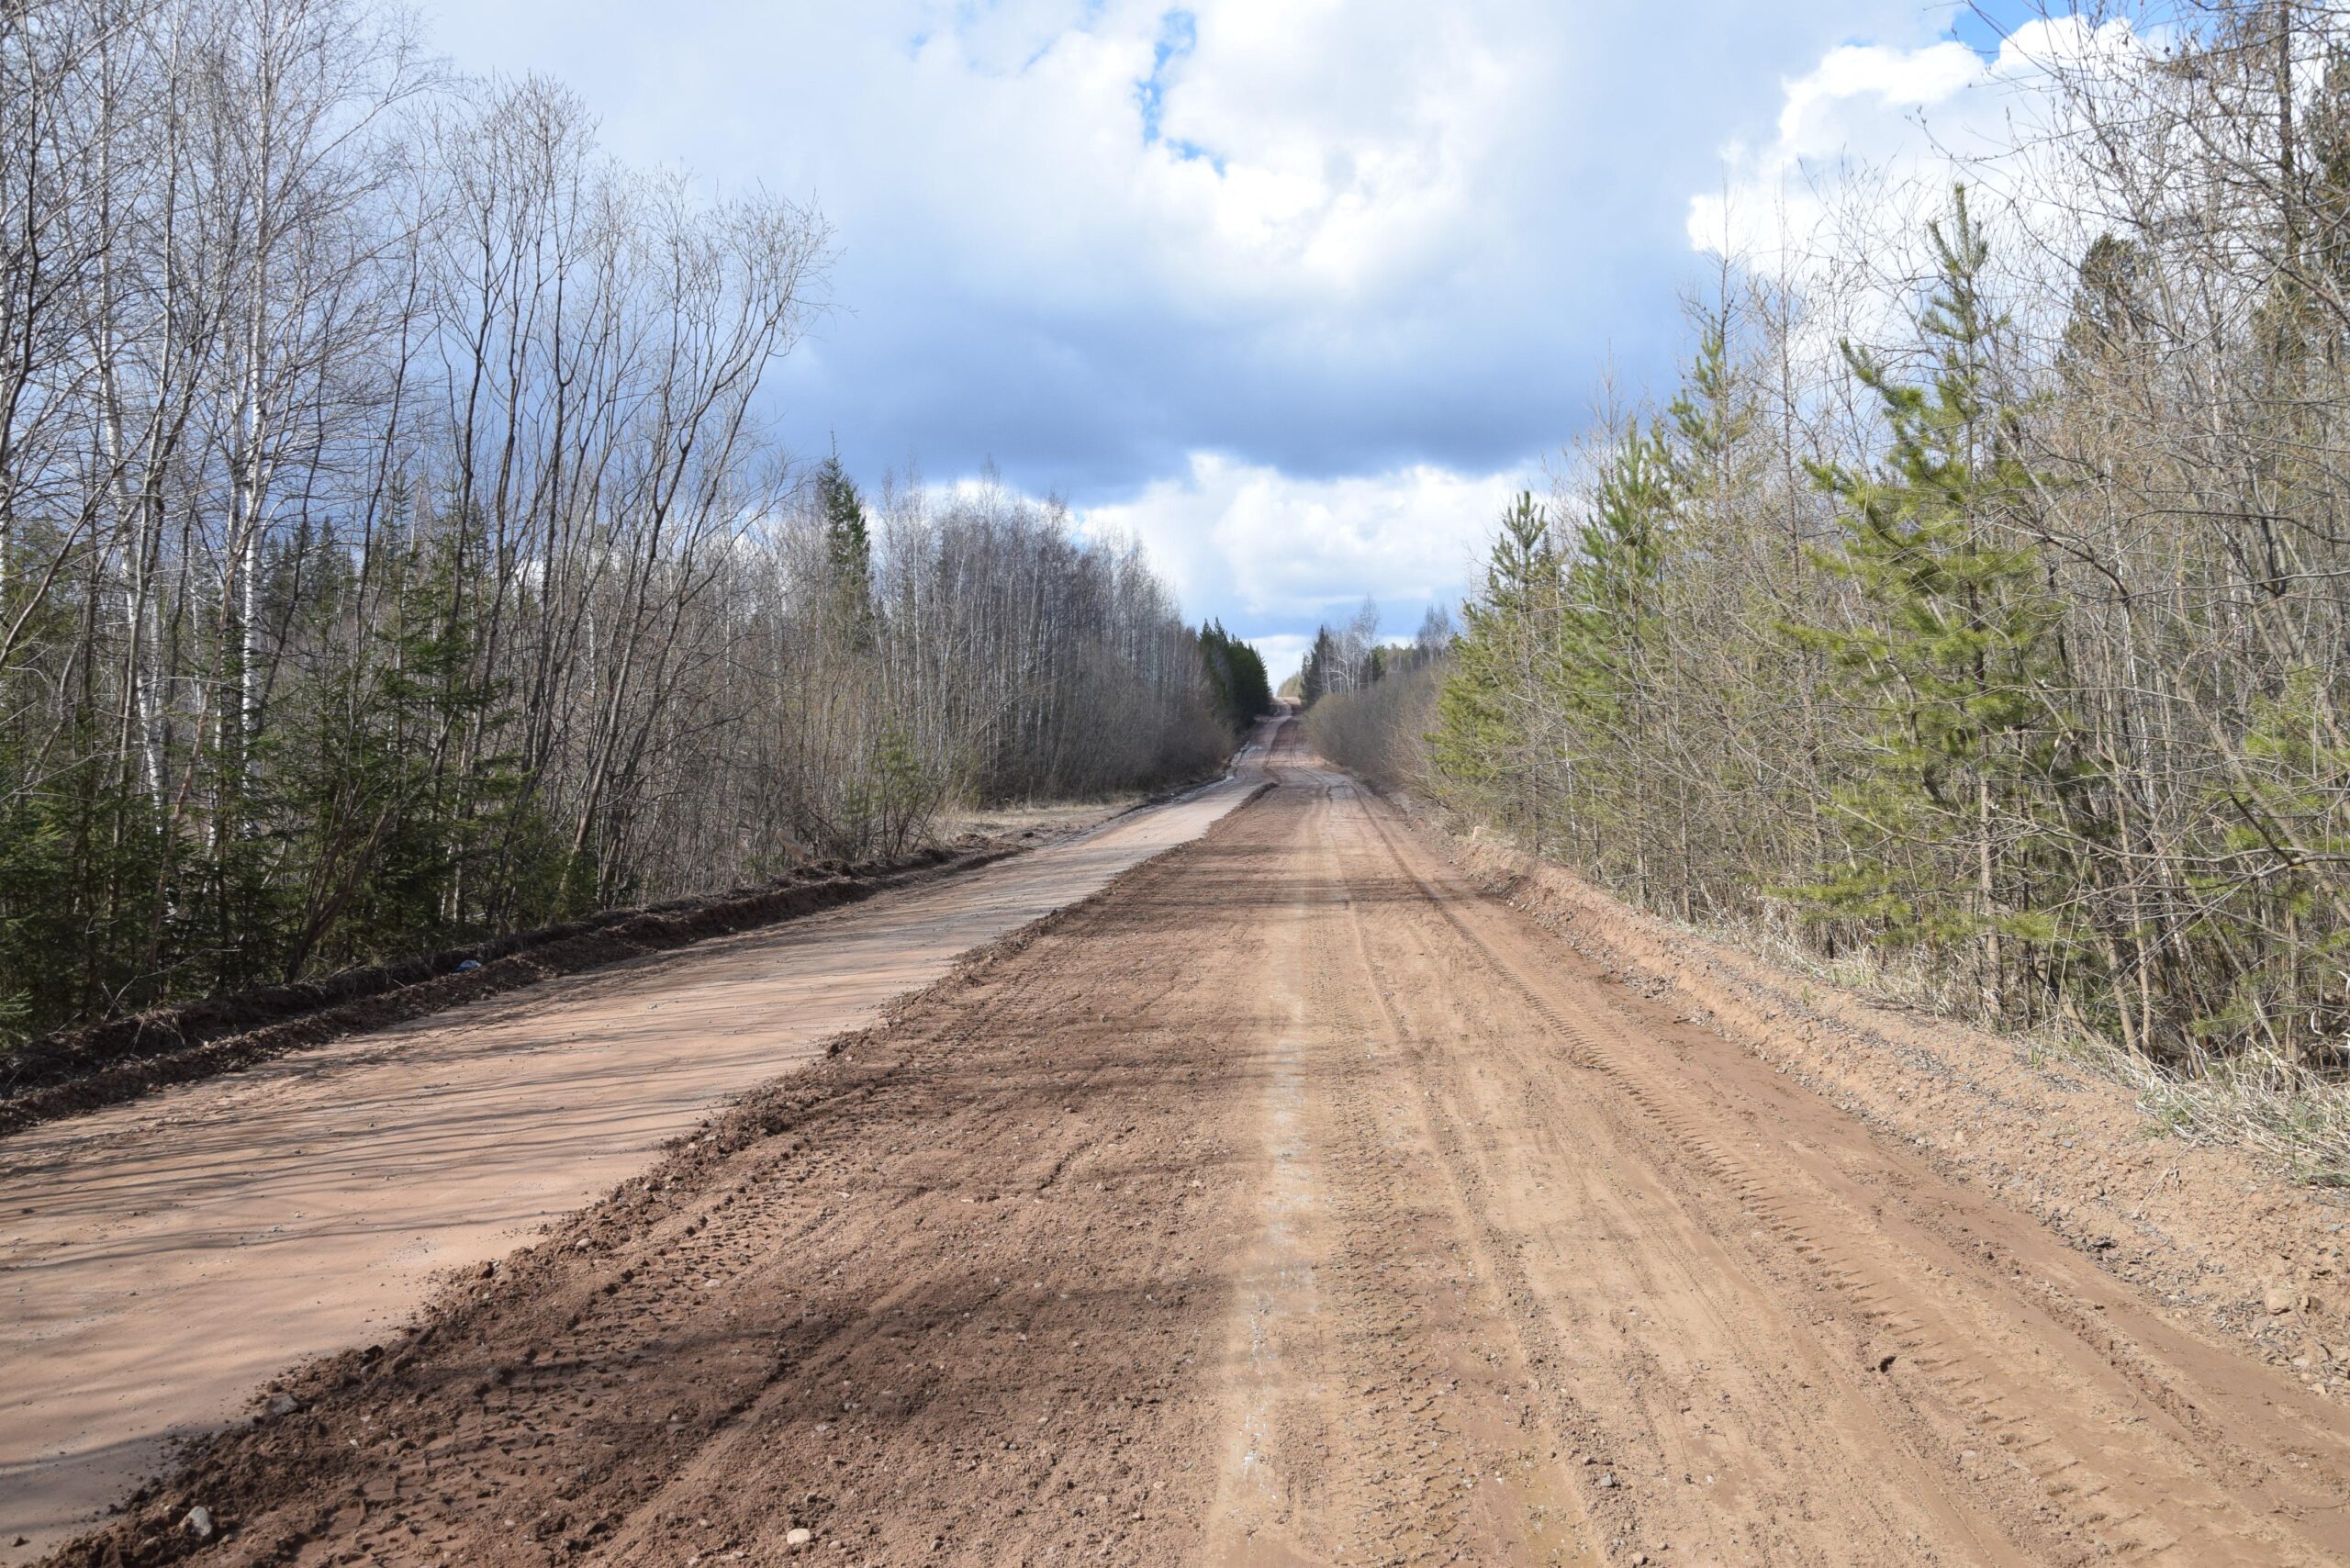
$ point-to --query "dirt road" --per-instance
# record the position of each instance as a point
(159, 1260)
(1288, 1202)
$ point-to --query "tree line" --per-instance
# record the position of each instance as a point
(1991, 606)
(1350, 657)
(393, 550)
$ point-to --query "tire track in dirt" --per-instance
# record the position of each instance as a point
(1509, 1502)
(2132, 1437)
(1439, 1457)
(1695, 1402)
(957, 1292)
(1288, 1202)
(161, 1260)
(1287, 1442)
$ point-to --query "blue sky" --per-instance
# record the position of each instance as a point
(1297, 290)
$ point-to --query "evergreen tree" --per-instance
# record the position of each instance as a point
(1612, 585)
(848, 548)
(2105, 318)
(389, 842)
(1963, 746)
(1318, 676)
(1238, 684)
(1711, 418)
(1488, 746)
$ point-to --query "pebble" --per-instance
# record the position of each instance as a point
(1609, 1479)
(198, 1523)
(800, 1537)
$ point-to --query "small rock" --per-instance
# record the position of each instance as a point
(2279, 1298)
(800, 1536)
(281, 1403)
(198, 1523)
(1609, 1479)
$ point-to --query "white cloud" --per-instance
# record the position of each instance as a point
(1222, 154)
(1871, 139)
(1283, 653)
(1374, 252)
(1278, 549)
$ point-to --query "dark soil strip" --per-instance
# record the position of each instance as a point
(103, 1064)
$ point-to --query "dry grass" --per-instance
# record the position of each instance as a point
(1045, 818)
(2298, 1119)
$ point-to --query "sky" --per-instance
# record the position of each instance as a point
(1297, 292)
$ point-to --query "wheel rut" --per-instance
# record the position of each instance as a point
(1290, 1202)
(2110, 1430)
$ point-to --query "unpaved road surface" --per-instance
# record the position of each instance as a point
(1288, 1202)
(159, 1260)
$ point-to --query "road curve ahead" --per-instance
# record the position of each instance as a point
(159, 1260)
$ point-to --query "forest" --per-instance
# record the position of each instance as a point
(396, 546)
(1978, 596)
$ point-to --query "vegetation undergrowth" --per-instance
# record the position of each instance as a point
(1974, 616)
(2296, 1119)
(394, 550)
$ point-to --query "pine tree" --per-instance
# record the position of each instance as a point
(1488, 750)
(1612, 585)
(1963, 746)
(848, 549)
(1606, 637)
(1711, 417)
(1317, 676)
(1237, 685)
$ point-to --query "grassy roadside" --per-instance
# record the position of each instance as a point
(2296, 1120)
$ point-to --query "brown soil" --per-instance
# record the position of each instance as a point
(2209, 1227)
(107, 1063)
(1291, 1200)
(161, 1257)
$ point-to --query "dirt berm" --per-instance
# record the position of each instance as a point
(1295, 1201)
(105, 1063)
(2209, 1227)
